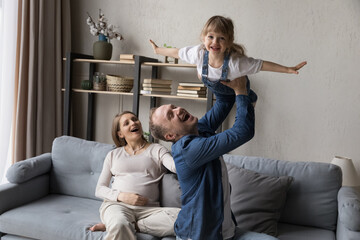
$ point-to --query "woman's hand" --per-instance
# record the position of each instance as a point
(132, 199)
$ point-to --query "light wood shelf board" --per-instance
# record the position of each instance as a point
(99, 92)
(158, 64)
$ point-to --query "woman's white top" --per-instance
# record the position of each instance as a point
(138, 174)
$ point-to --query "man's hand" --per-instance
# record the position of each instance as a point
(132, 199)
(238, 84)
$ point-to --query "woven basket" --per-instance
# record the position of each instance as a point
(119, 83)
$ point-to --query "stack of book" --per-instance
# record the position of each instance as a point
(127, 58)
(191, 90)
(156, 86)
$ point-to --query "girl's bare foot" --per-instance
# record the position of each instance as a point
(98, 227)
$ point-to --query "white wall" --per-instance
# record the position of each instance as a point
(307, 117)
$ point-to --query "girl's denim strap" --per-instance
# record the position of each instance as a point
(204, 74)
(225, 67)
(205, 67)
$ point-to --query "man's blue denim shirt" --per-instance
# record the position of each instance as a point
(199, 169)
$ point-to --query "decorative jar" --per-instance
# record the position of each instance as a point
(102, 49)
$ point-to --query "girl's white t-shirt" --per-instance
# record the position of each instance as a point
(238, 66)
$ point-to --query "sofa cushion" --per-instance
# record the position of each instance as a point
(315, 187)
(297, 232)
(77, 165)
(14, 237)
(257, 199)
(349, 207)
(56, 217)
(25, 170)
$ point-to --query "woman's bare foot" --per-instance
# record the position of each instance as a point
(98, 227)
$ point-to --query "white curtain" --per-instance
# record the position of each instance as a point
(8, 35)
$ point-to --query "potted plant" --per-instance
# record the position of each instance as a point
(170, 59)
(102, 49)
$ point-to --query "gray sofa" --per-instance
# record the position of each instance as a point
(51, 196)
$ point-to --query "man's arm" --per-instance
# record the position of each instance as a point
(198, 151)
(223, 105)
(211, 121)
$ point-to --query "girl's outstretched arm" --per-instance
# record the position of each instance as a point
(274, 67)
(170, 52)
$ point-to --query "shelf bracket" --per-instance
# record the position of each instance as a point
(70, 56)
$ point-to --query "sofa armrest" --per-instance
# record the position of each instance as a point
(348, 227)
(349, 207)
(343, 233)
(25, 170)
(13, 195)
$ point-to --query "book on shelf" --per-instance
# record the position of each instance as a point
(192, 95)
(156, 85)
(157, 89)
(192, 91)
(193, 84)
(127, 61)
(191, 88)
(127, 56)
(158, 81)
(154, 92)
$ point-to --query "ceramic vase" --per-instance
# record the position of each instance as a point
(86, 84)
(102, 49)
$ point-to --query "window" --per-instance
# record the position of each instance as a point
(8, 26)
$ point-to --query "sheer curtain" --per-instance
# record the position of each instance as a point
(34, 36)
(8, 34)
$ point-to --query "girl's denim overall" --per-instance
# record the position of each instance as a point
(217, 86)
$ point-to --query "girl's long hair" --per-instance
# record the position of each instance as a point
(119, 142)
(225, 26)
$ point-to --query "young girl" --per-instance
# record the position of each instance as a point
(132, 202)
(218, 58)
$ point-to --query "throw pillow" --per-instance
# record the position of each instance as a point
(170, 191)
(257, 199)
(25, 170)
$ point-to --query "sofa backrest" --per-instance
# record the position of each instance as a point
(76, 166)
(312, 197)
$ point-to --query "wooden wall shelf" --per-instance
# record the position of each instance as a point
(139, 62)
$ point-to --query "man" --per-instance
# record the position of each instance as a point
(197, 151)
